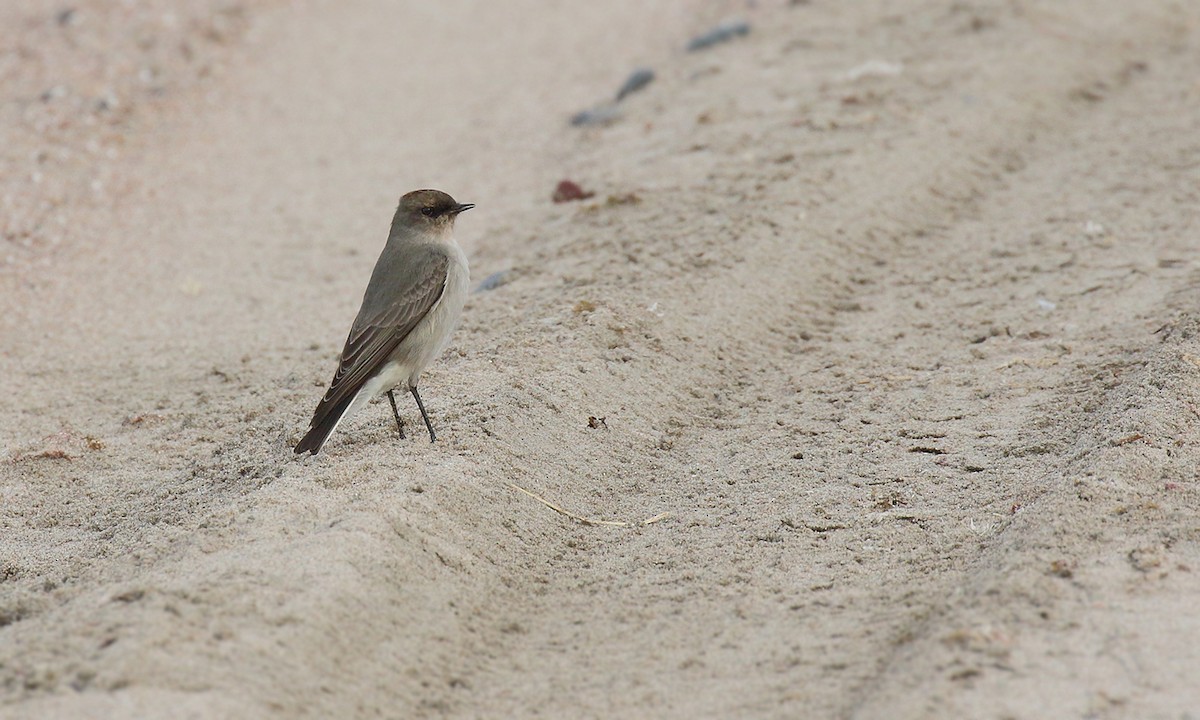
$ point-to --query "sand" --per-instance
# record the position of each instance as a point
(866, 385)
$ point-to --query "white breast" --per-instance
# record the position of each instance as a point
(433, 333)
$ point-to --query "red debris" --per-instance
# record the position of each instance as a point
(568, 191)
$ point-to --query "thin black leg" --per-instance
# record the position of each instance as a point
(425, 415)
(399, 422)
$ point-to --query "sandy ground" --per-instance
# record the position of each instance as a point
(888, 309)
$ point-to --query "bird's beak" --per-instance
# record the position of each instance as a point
(463, 207)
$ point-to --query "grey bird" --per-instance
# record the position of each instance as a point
(409, 309)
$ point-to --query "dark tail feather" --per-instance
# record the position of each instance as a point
(319, 432)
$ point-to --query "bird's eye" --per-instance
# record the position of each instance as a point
(428, 211)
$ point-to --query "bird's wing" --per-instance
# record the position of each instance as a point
(403, 289)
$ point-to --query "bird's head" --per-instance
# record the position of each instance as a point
(428, 210)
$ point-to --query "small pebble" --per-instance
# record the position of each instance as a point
(493, 281)
(721, 33)
(599, 115)
(638, 80)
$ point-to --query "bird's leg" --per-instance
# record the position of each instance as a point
(425, 415)
(399, 422)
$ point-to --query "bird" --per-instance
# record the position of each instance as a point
(409, 310)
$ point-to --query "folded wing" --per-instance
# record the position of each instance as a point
(401, 293)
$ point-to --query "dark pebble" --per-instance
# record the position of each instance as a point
(636, 81)
(721, 33)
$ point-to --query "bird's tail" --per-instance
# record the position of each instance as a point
(324, 423)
